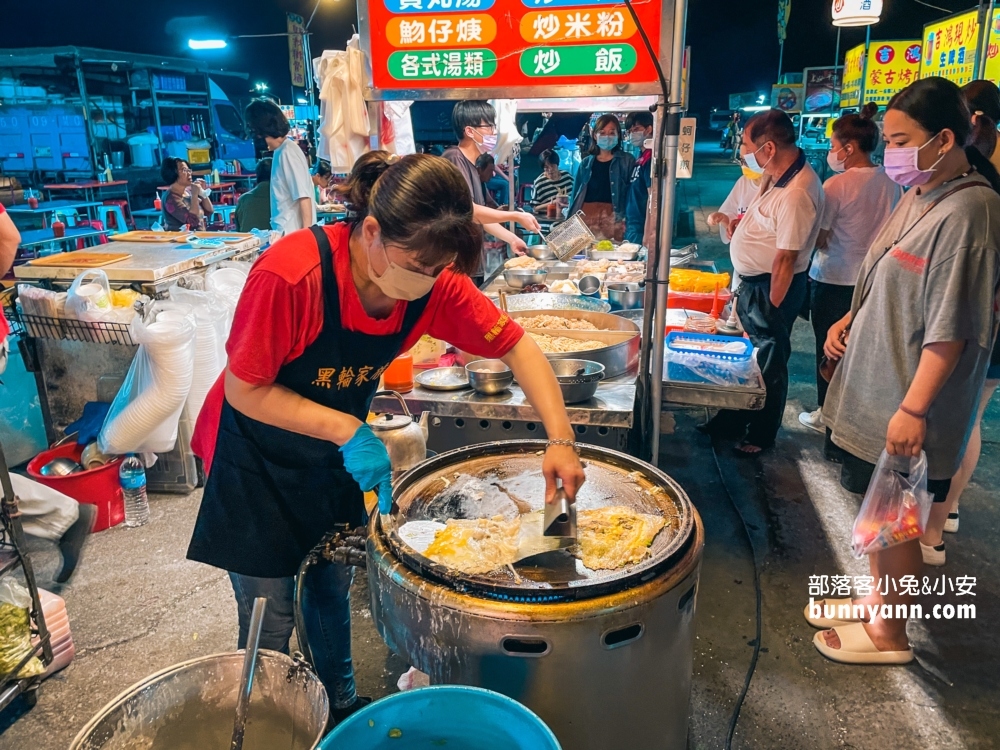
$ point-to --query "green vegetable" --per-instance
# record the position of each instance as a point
(604, 246)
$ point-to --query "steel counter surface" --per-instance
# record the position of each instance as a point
(150, 261)
(611, 406)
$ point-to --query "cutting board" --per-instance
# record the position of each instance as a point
(80, 259)
(149, 236)
(145, 236)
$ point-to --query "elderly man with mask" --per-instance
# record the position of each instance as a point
(771, 248)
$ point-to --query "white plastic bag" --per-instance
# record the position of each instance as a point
(89, 297)
(227, 281)
(211, 314)
(412, 679)
(896, 505)
(144, 415)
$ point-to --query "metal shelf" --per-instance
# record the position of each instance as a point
(12, 542)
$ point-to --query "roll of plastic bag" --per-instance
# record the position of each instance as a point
(144, 415)
(211, 314)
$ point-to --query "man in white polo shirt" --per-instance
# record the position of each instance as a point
(771, 249)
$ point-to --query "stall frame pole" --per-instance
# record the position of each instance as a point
(984, 40)
(836, 74)
(668, 181)
(864, 68)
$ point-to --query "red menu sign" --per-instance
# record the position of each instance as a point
(510, 44)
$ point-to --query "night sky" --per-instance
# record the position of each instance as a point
(734, 42)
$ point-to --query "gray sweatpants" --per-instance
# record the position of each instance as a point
(45, 512)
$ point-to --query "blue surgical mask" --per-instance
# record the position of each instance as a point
(607, 142)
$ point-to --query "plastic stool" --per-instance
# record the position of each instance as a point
(81, 243)
(113, 218)
(124, 206)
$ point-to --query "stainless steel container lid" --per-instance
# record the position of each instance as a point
(505, 479)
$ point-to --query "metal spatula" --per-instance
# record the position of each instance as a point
(552, 529)
(532, 541)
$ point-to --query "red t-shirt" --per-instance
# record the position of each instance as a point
(280, 313)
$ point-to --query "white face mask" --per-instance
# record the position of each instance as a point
(751, 161)
(398, 282)
(837, 165)
(637, 138)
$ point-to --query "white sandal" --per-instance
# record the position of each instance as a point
(856, 647)
(829, 622)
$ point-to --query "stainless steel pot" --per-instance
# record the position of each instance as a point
(192, 704)
(578, 378)
(596, 668)
(518, 278)
(626, 295)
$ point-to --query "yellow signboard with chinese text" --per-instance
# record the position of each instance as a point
(892, 66)
(850, 88)
(992, 72)
(949, 48)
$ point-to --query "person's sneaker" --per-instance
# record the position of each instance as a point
(813, 420)
(71, 543)
(951, 525)
(337, 715)
(933, 555)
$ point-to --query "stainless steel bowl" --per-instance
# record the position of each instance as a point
(590, 286)
(626, 295)
(578, 378)
(541, 252)
(60, 467)
(489, 376)
(519, 278)
(616, 254)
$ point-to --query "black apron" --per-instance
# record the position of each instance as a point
(272, 494)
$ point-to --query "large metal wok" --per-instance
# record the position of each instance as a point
(620, 353)
(192, 705)
(505, 479)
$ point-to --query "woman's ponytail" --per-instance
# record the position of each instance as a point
(357, 190)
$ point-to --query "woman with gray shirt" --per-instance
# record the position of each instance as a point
(916, 345)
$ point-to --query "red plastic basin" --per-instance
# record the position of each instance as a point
(98, 486)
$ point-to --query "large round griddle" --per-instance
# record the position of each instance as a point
(505, 479)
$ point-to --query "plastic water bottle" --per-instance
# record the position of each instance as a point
(132, 475)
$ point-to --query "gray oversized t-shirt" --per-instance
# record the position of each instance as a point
(938, 284)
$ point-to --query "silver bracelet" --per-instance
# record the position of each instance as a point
(562, 441)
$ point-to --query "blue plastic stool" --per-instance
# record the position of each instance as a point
(449, 716)
(113, 219)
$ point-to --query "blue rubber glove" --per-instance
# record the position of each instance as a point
(367, 461)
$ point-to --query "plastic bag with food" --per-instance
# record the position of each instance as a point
(896, 505)
(15, 630)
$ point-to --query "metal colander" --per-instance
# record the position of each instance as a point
(570, 237)
(505, 479)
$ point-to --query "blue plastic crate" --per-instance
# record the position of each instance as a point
(711, 367)
(676, 340)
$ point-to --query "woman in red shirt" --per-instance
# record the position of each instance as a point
(324, 312)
